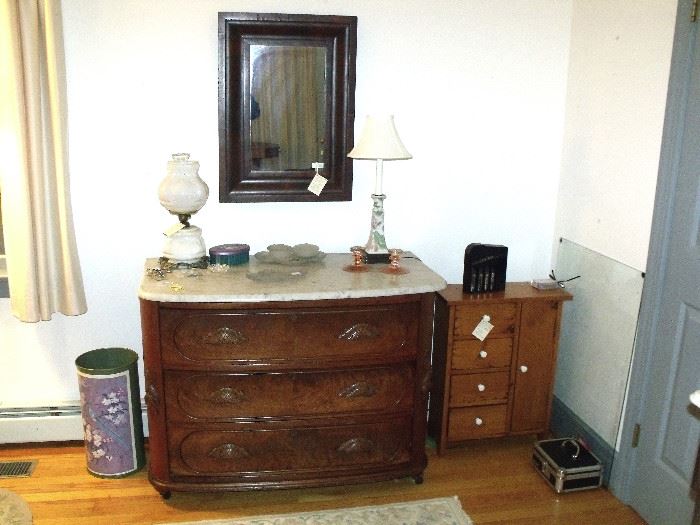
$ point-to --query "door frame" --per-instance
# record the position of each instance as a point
(624, 466)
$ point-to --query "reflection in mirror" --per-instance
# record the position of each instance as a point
(287, 106)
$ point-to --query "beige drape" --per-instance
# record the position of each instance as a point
(42, 260)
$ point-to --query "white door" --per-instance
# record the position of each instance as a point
(666, 369)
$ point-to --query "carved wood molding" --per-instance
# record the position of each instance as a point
(359, 389)
(225, 336)
(356, 445)
(228, 451)
(152, 397)
(225, 395)
(359, 331)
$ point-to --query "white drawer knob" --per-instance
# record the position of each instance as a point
(483, 354)
(481, 387)
(523, 368)
(478, 421)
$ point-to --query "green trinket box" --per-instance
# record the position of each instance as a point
(229, 254)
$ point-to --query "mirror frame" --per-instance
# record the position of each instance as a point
(238, 181)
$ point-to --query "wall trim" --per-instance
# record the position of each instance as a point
(46, 424)
(565, 423)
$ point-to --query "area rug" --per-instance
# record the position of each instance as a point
(438, 511)
(13, 509)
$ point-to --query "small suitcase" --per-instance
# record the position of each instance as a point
(567, 465)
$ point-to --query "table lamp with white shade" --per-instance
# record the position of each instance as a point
(379, 141)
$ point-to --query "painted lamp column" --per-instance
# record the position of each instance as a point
(376, 242)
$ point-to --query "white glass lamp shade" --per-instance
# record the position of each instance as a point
(379, 140)
(182, 191)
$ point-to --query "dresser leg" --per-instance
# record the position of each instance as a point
(166, 494)
(418, 479)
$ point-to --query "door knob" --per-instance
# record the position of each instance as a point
(483, 354)
(523, 368)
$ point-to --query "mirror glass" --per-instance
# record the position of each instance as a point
(286, 104)
(287, 107)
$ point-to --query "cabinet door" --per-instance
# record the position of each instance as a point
(534, 367)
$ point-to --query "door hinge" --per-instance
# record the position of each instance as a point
(635, 435)
(694, 12)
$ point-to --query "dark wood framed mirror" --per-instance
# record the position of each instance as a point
(286, 101)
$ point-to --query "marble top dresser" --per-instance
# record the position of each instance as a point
(271, 376)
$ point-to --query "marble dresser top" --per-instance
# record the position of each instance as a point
(259, 282)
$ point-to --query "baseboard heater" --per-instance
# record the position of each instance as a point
(46, 423)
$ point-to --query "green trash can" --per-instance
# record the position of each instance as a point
(111, 408)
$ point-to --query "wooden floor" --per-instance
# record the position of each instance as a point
(494, 480)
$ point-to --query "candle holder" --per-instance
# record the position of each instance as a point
(394, 268)
(358, 264)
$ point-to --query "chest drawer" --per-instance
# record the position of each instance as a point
(479, 389)
(472, 354)
(477, 422)
(228, 452)
(502, 318)
(295, 337)
(217, 396)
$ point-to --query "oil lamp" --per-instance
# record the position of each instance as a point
(183, 193)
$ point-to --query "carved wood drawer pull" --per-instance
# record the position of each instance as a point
(225, 395)
(359, 389)
(356, 445)
(359, 331)
(228, 451)
(225, 336)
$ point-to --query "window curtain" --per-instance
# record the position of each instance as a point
(42, 261)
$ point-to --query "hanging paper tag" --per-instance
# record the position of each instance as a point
(483, 328)
(319, 181)
(173, 229)
(317, 184)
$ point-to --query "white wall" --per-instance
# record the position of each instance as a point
(478, 91)
(619, 64)
(618, 74)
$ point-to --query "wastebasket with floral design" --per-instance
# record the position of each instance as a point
(111, 409)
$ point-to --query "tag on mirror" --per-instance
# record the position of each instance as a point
(317, 184)
(173, 229)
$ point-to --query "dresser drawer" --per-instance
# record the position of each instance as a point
(217, 396)
(478, 389)
(211, 452)
(477, 422)
(296, 337)
(502, 318)
(472, 354)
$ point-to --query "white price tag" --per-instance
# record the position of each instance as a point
(173, 229)
(317, 184)
(483, 328)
